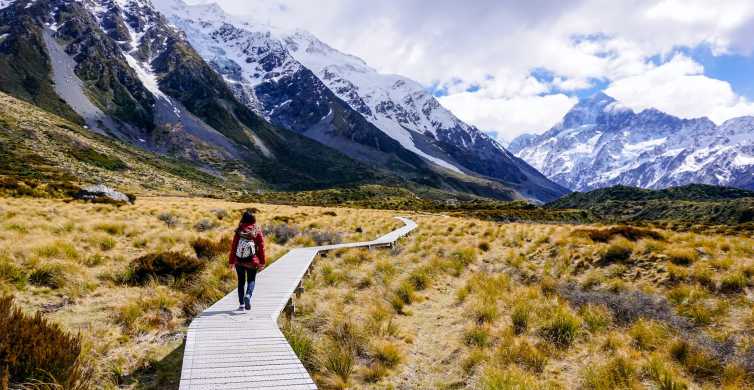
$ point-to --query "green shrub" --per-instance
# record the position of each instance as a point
(478, 336)
(48, 274)
(420, 278)
(163, 266)
(511, 378)
(92, 157)
(734, 282)
(115, 229)
(647, 334)
(405, 292)
(337, 361)
(596, 317)
(301, 343)
(34, 349)
(562, 327)
(682, 256)
(12, 273)
(520, 317)
(618, 373)
(386, 353)
(483, 311)
(464, 256)
(524, 354)
(628, 232)
(618, 251)
(696, 360)
(664, 377)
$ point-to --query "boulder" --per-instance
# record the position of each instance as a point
(100, 193)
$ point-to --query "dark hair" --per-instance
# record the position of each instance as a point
(248, 218)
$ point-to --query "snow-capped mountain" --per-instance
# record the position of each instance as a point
(296, 81)
(119, 67)
(600, 143)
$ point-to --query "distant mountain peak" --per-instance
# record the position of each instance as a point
(601, 143)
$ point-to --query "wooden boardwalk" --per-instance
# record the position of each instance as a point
(231, 349)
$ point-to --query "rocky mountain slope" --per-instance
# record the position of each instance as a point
(298, 82)
(601, 143)
(244, 102)
(119, 68)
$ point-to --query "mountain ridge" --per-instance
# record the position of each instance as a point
(601, 143)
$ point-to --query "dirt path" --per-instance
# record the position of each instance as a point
(436, 324)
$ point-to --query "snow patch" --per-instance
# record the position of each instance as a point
(743, 160)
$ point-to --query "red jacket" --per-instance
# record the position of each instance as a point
(249, 230)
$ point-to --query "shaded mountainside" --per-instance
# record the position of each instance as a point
(119, 68)
(687, 205)
(39, 147)
(299, 83)
(601, 143)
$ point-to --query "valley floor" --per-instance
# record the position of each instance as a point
(460, 303)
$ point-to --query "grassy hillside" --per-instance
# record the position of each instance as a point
(38, 147)
(684, 206)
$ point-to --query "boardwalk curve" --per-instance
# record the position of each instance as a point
(231, 349)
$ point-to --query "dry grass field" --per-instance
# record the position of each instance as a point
(73, 262)
(460, 303)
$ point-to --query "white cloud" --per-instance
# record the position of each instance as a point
(679, 87)
(512, 116)
(495, 45)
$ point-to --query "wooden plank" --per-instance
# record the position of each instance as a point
(231, 349)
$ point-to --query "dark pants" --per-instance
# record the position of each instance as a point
(246, 279)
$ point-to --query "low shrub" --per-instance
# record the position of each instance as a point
(386, 353)
(171, 220)
(648, 335)
(734, 282)
(484, 246)
(495, 378)
(618, 373)
(697, 361)
(219, 213)
(561, 327)
(162, 267)
(619, 250)
(115, 229)
(35, 349)
(301, 343)
(477, 336)
(596, 317)
(664, 376)
(50, 275)
(628, 232)
(523, 353)
(12, 273)
(420, 278)
(208, 249)
(483, 311)
(520, 317)
(682, 256)
(337, 362)
(280, 233)
(204, 225)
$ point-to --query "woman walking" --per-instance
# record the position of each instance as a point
(247, 256)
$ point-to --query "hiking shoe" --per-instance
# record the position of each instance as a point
(247, 302)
